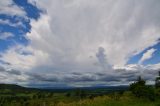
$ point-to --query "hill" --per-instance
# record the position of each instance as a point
(10, 86)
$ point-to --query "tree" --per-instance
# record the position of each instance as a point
(157, 81)
(157, 85)
(139, 89)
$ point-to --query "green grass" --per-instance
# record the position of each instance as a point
(126, 100)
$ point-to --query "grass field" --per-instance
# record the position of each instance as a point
(127, 99)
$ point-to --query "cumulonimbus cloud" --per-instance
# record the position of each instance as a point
(84, 36)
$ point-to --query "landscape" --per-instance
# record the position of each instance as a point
(79, 52)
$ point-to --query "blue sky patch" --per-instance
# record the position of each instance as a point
(18, 31)
(155, 59)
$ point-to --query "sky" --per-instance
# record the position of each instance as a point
(79, 43)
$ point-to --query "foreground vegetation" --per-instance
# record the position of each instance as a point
(64, 99)
(127, 99)
(138, 94)
(76, 97)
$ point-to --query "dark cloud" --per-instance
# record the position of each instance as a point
(79, 78)
(116, 76)
(131, 79)
(10, 72)
(109, 78)
(14, 72)
(101, 56)
(42, 77)
(76, 73)
(2, 69)
(4, 63)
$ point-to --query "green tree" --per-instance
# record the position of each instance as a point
(157, 81)
(139, 89)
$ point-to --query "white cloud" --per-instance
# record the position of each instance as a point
(147, 55)
(22, 58)
(74, 30)
(5, 35)
(68, 36)
(8, 7)
(7, 22)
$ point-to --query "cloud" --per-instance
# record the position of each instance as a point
(16, 59)
(118, 77)
(14, 72)
(9, 8)
(102, 59)
(42, 77)
(5, 35)
(9, 71)
(7, 22)
(86, 38)
(74, 30)
(2, 69)
(10, 75)
(147, 55)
